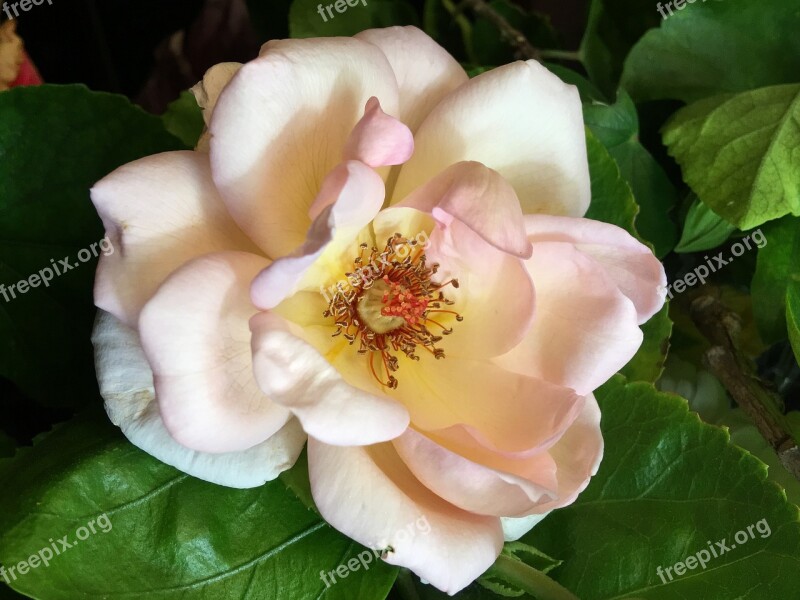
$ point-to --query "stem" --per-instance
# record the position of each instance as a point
(574, 56)
(738, 375)
(512, 35)
(530, 580)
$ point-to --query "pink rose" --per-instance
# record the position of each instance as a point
(436, 329)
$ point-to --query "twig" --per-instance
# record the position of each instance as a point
(512, 35)
(737, 374)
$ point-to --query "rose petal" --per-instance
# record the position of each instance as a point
(425, 71)
(481, 199)
(294, 375)
(196, 336)
(538, 117)
(585, 329)
(475, 487)
(280, 125)
(350, 197)
(632, 265)
(379, 140)
(368, 494)
(126, 385)
(504, 411)
(159, 212)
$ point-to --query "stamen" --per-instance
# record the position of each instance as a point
(388, 312)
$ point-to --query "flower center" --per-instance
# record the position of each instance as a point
(389, 305)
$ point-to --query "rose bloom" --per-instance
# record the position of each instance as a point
(373, 253)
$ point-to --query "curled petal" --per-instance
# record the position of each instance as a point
(126, 385)
(159, 212)
(629, 263)
(538, 117)
(350, 197)
(293, 374)
(196, 337)
(379, 140)
(476, 487)
(501, 410)
(481, 199)
(425, 71)
(585, 329)
(368, 494)
(280, 125)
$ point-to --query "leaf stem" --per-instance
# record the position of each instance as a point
(573, 55)
(530, 580)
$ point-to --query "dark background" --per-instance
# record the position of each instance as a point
(123, 46)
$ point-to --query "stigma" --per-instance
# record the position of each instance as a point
(390, 306)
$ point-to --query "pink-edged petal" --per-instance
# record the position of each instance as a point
(379, 140)
(349, 199)
(577, 456)
(476, 487)
(195, 333)
(159, 212)
(481, 199)
(495, 295)
(280, 125)
(518, 119)
(504, 411)
(293, 374)
(631, 264)
(369, 494)
(425, 71)
(585, 328)
(126, 384)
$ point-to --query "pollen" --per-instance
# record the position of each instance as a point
(390, 306)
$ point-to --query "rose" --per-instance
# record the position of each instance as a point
(16, 68)
(451, 376)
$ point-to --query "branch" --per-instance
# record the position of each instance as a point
(738, 374)
(509, 33)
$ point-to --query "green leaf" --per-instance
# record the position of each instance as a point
(184, 119)
(613, 28)
(715, 47)
(612, 199)
(777, 264)
(739, 153)
(177, 537)
(617, 126)
(305, 19)
(668, 485)
(793, 315)
(648, 363)
(55, 143)
(703, 229)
